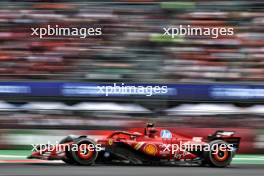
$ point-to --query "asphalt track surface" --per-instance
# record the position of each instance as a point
(60, 169)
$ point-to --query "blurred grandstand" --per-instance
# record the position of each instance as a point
(132, 47)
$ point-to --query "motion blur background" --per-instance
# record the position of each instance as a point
(132, 49)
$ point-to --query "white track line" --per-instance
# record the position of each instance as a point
(13, 156)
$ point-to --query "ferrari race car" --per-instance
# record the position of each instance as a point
(156, 146)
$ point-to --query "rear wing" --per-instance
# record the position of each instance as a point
(227, 136)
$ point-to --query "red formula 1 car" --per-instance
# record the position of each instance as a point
(157, 146)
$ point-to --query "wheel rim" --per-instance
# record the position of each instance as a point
(84, 152)
(221, 155)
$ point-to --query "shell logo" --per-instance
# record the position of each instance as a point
(150, 149)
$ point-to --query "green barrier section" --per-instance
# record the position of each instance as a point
(248, 159)
(178, 5)
(14, 154)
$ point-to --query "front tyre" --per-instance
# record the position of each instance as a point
(218, 156)
(84, 151)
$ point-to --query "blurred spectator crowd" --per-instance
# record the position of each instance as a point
(132, 47)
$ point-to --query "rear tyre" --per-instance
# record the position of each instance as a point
(218, 158)
(86, 153)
